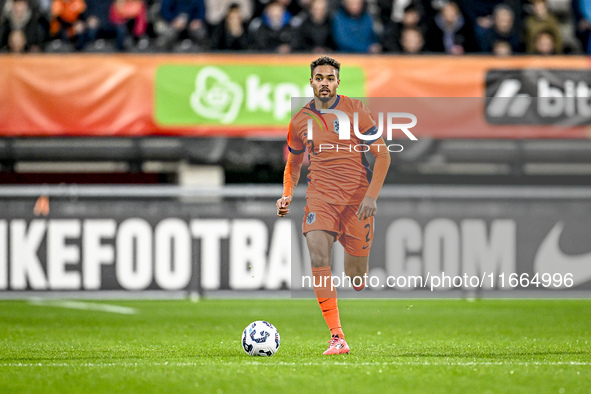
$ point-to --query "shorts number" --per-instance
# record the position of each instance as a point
(368, 227)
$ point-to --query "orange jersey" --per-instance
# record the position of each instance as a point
(339, 172)
(68, 10)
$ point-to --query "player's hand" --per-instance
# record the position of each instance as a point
(367, 208)
(282, 206)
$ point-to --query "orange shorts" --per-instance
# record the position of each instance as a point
(355, 235)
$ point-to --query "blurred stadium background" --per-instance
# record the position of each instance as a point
(142, 147)
(143, 143)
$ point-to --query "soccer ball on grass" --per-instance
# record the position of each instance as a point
(260, 338)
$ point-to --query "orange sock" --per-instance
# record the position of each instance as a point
(327, 299)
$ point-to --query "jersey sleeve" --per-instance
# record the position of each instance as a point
(367, 124)
(380, 169)
(294, 142)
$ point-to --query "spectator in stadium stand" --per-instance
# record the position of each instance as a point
(314, 29)
(502, 48)
(545, 43)
(541, 20)
(393, 10)
(503, 28)
(412, 17)
(217, 10)
(16, 42)
(68, 21)
(130, 18)
(230, 33)
(98, 25)
(40, 7)
(44, 6)
(582, 15)
(20, 30)
(449, 32)
(412, 41)
(352, 28)
(181, 20)
(293, 7)
(272, 30)
(479, 14)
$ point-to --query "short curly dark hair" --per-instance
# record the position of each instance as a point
(325, 61)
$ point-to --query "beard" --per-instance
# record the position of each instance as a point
(325, 99)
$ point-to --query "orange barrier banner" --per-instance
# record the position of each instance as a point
(249, 95)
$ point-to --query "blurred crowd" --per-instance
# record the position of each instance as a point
(500, 27)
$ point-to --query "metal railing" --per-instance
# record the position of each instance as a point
(275, 191)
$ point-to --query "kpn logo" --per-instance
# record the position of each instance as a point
(234, 95)
(538, 97)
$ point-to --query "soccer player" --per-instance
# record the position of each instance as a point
(341, 194)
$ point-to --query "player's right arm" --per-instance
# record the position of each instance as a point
(291, 174)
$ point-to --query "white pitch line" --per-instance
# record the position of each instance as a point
(428, 363)
(325, 363)
(88, 306)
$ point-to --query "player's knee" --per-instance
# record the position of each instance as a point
(353, 272)
(319, 260)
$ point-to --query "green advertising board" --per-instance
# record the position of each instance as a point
(249, 95)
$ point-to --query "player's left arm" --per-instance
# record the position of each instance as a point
(368, 206)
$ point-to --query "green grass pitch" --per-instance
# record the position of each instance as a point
(531, 346)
